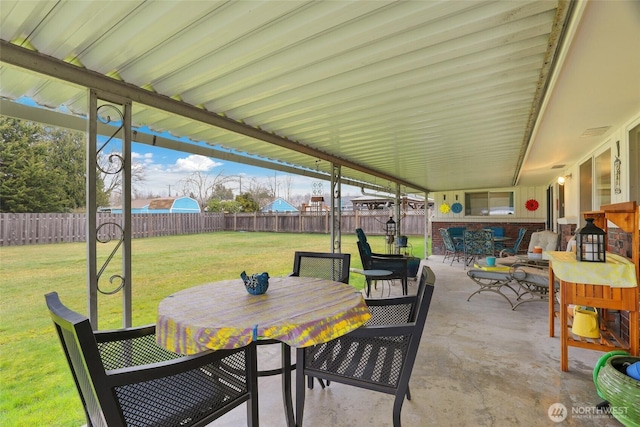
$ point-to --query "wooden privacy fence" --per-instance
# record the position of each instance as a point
(33, 228)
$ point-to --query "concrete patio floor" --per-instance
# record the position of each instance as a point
(479, 364)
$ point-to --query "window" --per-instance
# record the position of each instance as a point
(595, 182)
(586, 184)
(634, 163)
(489, 203)
(603, 179)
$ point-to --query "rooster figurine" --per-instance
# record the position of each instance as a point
(256, 284)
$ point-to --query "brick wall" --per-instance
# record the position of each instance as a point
(566, 231)
(620, 243)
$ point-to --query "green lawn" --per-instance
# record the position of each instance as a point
(36, 385)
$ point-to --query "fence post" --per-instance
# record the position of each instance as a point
(326, 222)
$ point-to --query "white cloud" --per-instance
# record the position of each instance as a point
(167, 178)
(145, 158)
(195, 163)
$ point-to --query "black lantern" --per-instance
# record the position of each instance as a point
(590, 243)
(390, 227)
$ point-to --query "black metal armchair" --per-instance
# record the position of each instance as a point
(125, 379)
(331, 266)
(378, 356)
(395, 263)
(413, 263)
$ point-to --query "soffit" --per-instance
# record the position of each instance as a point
(437, 94)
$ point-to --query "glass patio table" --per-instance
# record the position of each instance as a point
(297, 311)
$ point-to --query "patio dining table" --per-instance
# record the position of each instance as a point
(297, 311)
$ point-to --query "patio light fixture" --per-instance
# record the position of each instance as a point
(562, 179)
(590, 243)
(390, 227)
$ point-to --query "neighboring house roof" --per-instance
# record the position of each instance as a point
(139, 203)
(279, 205)
(162, 205)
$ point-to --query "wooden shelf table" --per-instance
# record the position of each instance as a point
(607, 286)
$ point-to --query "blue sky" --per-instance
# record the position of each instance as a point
(165, 169)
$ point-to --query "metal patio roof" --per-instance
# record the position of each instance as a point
(433, 95)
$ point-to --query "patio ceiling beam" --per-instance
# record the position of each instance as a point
(53, 67)
(77, 123)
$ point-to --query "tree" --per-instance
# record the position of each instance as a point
(220, 192)
(108, 165)
(287, 184)
(247, 204)
(201, 186)
(230, 206)
(259, 192)
(41, 168)
(272, 185)
(67, 149)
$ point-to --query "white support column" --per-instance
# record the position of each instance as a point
(426, 226)
(336, 209)
(127, 300)
(115, 152)
(398, 215)
(91, 198)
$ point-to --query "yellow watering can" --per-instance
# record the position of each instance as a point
(585, 322)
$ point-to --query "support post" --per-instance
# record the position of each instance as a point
(397, 214)
(336, 209)
(109, 156)
(426, 226)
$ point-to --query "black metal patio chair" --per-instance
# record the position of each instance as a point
(377, 357)
(322, 265)
(413, 263)
(396, 264)
(331, 266)
(125, 379)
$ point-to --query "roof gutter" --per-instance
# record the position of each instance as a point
(567, 12)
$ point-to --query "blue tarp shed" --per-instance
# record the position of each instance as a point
(163, 205)
(279, 205)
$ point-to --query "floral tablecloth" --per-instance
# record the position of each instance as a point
(298, 311)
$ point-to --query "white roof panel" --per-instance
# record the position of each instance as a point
(440, 95)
